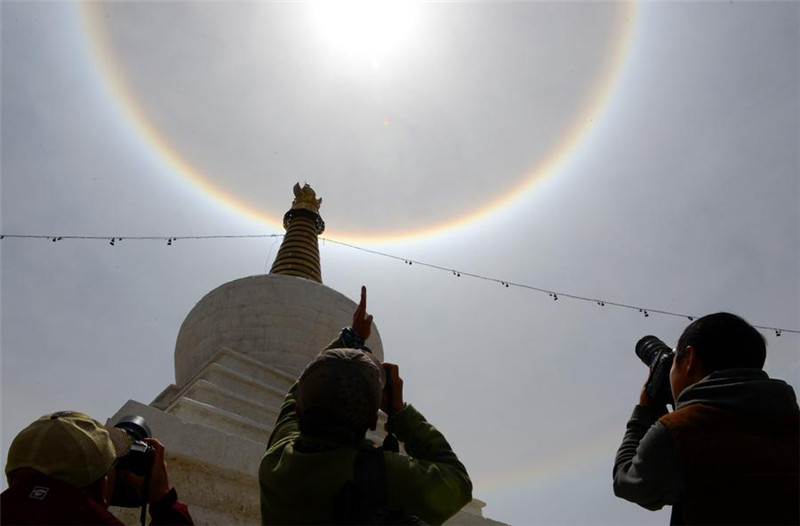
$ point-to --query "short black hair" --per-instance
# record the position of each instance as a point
(724, 341)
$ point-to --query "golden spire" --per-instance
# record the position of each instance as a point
(299, 252)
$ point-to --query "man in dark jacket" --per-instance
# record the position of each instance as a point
(730, 452)
(61, 470)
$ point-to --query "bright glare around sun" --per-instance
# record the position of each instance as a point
(365, 29)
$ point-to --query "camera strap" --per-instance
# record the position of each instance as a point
(145, 496)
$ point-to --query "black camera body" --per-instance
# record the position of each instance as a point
(658, 357)
(138, 461)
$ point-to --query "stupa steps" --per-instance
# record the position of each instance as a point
(208, 415)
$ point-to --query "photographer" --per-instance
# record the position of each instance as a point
(729, 453)
(319, 467)
(62, 469)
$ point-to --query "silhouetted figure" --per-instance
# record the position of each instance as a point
(61, 470)
(730, 452)
(319, 467)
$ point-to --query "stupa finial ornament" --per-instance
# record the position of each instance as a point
(299, 252)
(306, 198)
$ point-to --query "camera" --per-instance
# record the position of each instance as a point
(658, 357)
(137, 461)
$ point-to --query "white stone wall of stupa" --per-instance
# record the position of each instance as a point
(278, 320)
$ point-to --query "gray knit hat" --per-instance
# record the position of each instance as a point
(345, 385)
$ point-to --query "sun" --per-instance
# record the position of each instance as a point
(365, 30)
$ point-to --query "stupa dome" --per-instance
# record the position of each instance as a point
(279, 320)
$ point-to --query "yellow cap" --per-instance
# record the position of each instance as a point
(68, 446)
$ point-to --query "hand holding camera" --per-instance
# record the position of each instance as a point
(142, 473)
(392, 401)
(158, 485)
(159, 478)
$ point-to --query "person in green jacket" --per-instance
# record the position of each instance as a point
(307, 474)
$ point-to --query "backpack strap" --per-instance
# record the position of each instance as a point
(361, 500)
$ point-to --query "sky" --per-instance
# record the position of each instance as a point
(643, 154)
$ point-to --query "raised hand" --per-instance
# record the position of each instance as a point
(362, 322)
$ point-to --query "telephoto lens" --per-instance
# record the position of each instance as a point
(137, 461)
(658, 357)
(649, 348)
(135, 426)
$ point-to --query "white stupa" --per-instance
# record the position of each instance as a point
(237, 353)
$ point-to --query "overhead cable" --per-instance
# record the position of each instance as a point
(555, 295)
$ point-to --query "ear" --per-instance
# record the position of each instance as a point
(694, 364)
(100, 491)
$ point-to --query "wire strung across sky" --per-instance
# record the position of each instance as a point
(645, 311)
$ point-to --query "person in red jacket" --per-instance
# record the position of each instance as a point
(730, 452)
(61, 469)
